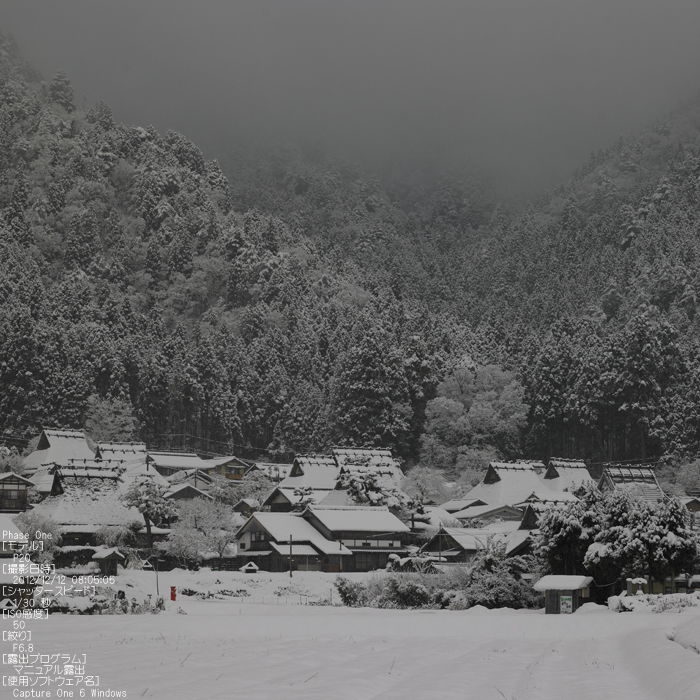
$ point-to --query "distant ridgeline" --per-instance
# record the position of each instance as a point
(296, 303)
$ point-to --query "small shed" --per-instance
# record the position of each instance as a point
(108, 560)
(563, 594)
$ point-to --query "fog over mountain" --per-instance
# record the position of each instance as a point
(520, 90)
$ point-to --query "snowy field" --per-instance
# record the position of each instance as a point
(235, 648)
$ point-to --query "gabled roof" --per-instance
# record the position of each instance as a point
(567, 474)
(280, 526)
(57, 447)
(304, 463)
(44, 478)
(290, 496)
(356, 518)
(639, 481)
(218, 461)
(190, 475)
(178, 460)
(7, 476)
(314, 477)
(507, 483)
(136, 468)
(458, 504)
(107, 553)
(188, 489)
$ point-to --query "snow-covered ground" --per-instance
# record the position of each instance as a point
(230, 649)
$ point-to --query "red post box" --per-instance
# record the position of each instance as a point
(173, 592)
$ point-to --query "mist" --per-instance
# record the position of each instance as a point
(521, 91)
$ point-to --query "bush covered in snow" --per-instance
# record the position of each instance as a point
(491, 580)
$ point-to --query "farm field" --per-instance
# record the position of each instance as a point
(231, 649)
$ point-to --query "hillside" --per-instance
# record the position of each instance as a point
(286, 302)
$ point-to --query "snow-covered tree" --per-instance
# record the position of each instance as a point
(149, 499)
(639, 538)
(426, 485)
(371, 488)
(202, 526)
(566, 533)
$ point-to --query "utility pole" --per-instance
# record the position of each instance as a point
(290, 556)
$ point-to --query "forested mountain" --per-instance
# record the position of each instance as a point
(285, 302)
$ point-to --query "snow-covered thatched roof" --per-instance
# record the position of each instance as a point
(121, 451)
(639, 481)
(566, 474)
(507, 483)
(57, 447)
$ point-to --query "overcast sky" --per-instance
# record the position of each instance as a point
(521, 88)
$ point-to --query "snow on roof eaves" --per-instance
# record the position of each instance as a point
(358, 518)
(297, 549)
(562, 583)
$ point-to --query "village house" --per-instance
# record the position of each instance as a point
(168, 463)
(318, 478)
(372, 534)
(311, 477)
(459, 545)
(511, 483)
(229, 467)
(13, 492)
(270, 540)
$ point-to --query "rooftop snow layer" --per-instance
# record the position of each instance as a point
(562, 583)
(358, 518)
